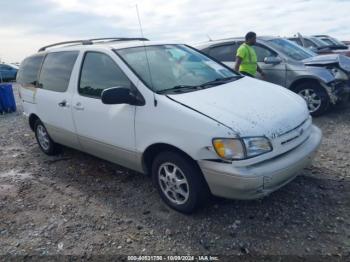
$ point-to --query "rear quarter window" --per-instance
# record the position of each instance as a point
(224, 53)
(56, 70)
(29, 70)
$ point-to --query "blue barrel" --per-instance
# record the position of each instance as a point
(7, 99)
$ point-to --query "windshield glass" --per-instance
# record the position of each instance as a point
(319, 42)
(336, 41)
(291, 50)
(328, 41)
(164, 67)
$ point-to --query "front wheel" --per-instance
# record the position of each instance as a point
(179, 182)
(315, 96)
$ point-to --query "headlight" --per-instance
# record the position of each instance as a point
(339, 74)
(257, 146)
(241, 148)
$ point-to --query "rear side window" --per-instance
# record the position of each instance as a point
(224, 53)
(56, 70)
(29, 70)
(99, 72)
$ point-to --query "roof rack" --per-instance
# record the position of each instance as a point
(93, 40)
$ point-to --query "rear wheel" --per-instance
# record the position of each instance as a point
(45, 142)
(179, 182)
(315, 96)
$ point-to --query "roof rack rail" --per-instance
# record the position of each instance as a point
(112, 39)
(91, 41)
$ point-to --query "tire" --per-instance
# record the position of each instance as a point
(192, 190)
(315, 96)
(46, 144)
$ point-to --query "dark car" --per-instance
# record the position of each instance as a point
(335, 43)
(8, 72)
(313, 43)
(321, 45)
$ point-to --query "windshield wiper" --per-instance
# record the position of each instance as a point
(182, 88)
(220, 81)
(179, 88)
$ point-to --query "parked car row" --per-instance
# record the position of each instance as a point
(322, 44)
(321, 80)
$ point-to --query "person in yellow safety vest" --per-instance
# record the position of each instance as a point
(246, 59)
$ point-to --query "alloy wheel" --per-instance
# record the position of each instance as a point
(43, 137)
(173, 183)
(313, 100)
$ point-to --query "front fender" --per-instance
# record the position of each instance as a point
(320, 74)
(323, 76)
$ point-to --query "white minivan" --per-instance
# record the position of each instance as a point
(165, 109)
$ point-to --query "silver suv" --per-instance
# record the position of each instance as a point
(320, 80)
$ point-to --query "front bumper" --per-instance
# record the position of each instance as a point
(338, 91)
(261, 179)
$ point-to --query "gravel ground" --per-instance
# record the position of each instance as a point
(76, 204)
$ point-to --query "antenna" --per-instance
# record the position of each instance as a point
(209, 37)
(138, 16)
(146, 54)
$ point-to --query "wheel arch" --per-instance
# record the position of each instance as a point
(32, 119)
(153, 150)
(300, 81)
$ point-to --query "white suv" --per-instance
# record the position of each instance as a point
(167, 110)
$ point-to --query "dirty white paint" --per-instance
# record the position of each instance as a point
(250, 107)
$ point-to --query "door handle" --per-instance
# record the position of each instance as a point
(63, 104)
(78, 106)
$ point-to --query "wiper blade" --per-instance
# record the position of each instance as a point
(179, 88)
(220, 81)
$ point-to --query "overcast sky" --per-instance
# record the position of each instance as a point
(28, 25)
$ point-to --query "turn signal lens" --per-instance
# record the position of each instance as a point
(229, 148)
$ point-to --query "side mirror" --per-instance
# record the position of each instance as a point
(120, 95)
(272, 60)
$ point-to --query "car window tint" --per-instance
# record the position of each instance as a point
(308, 43)
(99, 72)
(224, 53)
(296, 40)
(29, 69)
(327, 41)
(263, 52)
(56, 70)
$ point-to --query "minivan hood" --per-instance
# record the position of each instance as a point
(322, 60)
(248, 106)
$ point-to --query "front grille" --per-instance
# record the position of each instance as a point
(298, 126)
(296, 135)
(290, 140)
